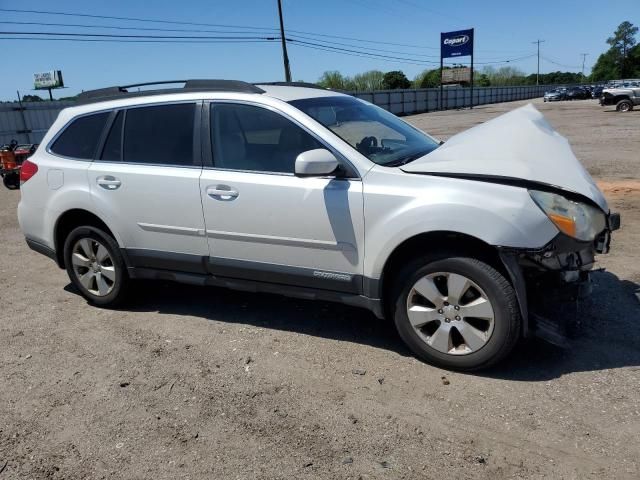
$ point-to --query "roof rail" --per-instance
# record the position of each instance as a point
(293, 84)
(112, 93)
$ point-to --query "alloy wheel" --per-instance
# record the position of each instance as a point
(450, 313)
(93, 266)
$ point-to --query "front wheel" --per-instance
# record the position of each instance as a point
(95, 266)
(624, 106)
(458, 313)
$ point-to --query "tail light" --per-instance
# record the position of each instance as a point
(28, 170)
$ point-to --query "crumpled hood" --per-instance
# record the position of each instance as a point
(520, 144)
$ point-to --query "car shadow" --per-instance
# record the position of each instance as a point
(608, 335)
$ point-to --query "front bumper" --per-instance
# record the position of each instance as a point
(551, 281)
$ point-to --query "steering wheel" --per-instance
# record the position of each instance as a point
(367, 144)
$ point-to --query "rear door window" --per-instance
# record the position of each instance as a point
(160, 135)
(80, 139)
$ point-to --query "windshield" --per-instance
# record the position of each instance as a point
(377, 134)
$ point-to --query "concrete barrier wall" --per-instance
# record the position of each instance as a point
(28, 123)
(410, 101)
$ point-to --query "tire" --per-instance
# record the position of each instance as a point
(88, 268)
(11, 180)
(489, 341)
(624, 106)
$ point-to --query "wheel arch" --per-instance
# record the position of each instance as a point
(449, 241)
(71, 219)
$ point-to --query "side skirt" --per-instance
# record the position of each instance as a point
(251, 276)
(371, 304)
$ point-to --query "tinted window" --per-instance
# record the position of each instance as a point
(253, 138)
(161, 134)
(80, 138)
(112, 150)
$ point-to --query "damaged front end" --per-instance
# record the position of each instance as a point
(552, 280)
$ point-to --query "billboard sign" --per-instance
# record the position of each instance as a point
(456, 75)
(47, 80)
(456, 44)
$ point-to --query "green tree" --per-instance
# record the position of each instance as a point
(427, 79)
(371, 80)
(395, 79)
(333, 79)
(504, 76)
(481, 80)
(32, 98)
(622, 60)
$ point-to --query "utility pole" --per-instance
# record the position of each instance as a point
(584, 56)
(285, 57)
(538, 74)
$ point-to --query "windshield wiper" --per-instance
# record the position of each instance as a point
(408, 158)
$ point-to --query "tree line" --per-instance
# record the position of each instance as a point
(621, 60)
(430, 78)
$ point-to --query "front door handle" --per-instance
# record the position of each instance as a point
(222, 191)
(109, 182)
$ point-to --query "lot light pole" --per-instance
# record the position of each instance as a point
(285, 57)
(538, 74)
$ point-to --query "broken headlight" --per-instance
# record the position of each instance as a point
(576, 219)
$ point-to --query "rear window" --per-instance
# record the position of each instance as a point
(160, 135)
(80, 139)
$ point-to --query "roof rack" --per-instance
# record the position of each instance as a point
(113, 93)
(293, 84)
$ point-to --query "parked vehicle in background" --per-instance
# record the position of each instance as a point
(624, 98)
(597, 92)
(311, 193)
(555, 95)
(577, 93)
(12, 156)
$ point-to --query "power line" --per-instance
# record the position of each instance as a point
(413, 61)
(577, 67)
(134, 19)
(347, 50)
(175, 22)
(118, 27)
(116, 40)
(192, 38)
(112, 35)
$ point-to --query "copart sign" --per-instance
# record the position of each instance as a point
(456, 44)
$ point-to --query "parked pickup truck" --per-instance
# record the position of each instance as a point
(624, 98)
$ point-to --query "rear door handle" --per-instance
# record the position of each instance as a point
(222, 191)
(109, 182)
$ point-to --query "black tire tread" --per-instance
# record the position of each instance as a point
(514, 326)
(121, 293)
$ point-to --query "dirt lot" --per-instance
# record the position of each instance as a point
(206, 383)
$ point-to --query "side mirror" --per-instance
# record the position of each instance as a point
(316, 163)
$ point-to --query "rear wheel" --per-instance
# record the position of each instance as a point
(11, 180)
(457, 312)
(95, 266)
(624, 106)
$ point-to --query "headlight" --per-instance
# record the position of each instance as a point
(576, 219)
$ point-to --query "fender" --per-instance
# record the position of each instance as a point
(499, 215)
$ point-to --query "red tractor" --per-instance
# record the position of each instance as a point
(11, 157)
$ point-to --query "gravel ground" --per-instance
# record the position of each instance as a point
(191, 382)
